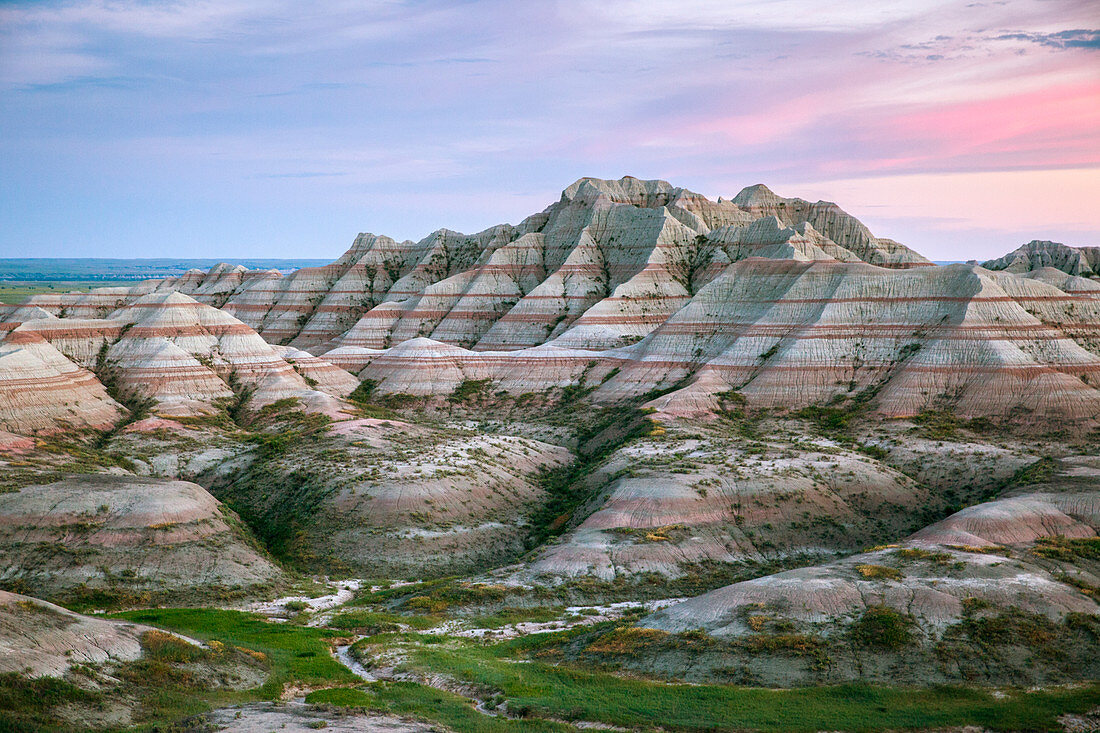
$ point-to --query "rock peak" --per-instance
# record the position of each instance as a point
(627, 189)
(755, 195)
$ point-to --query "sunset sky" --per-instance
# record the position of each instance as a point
(249, 128)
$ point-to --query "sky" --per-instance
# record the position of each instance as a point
(281, 128)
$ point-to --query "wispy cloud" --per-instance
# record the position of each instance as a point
(1078, 38)
(128, 108)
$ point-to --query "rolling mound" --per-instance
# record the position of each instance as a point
(377, 497)
(752, 489)
(40, 639)
(100, 537)
(672, 505)
(1027, 558)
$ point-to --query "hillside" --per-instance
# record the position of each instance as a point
(538, 477)
(623, 287)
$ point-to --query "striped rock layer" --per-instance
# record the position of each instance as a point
(788, 333)
(634, 285)
(931, 587)
(188, 357)
(514, 286)
(1036, 254)
(153, 535)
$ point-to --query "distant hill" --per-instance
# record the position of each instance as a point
(94, 268)
(632, 288)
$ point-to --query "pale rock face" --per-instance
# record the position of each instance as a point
(829, 219)
(1066, 506)
(155, 535)
(1036, 254)
(40, 639)
(42, 390)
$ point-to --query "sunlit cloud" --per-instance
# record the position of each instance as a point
(402, 117)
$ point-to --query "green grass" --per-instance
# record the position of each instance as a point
(164, 685)
(296, 653)
(551, 691)
(16, 291)
(345, 697)
(455, 711)
(514, 615)
(28, 704)
(1069, 550)
(506, 674)
(379, 622)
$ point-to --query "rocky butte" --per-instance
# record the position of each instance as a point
(640, 438)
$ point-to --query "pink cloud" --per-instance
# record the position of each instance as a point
(1063, 120)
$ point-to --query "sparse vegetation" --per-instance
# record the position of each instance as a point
(881, 627)
(470, 390)
(878, 572)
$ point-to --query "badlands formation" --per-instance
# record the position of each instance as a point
(734, 441)
(628, 286)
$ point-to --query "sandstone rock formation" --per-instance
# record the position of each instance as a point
(187, 357)
(787, 333)
(40, 639)
(933, 573)
(41, 389)
(633, 286)
(1036, 254)
(129, 537)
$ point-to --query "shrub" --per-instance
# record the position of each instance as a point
(470, 390)
(798, 644)
(628, 640)
(882, 627)
(165, 647)
(426, 604)
(937, 424)
(364, 622)
(916, 553)
(1060, 548)
(874, 451)
(879, 572)
(1036, 473)
(1013, 627)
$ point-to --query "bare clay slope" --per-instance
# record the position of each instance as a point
(40, 639)
(987, 593)
(164, 351)
(385, 497)
(127, 539)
